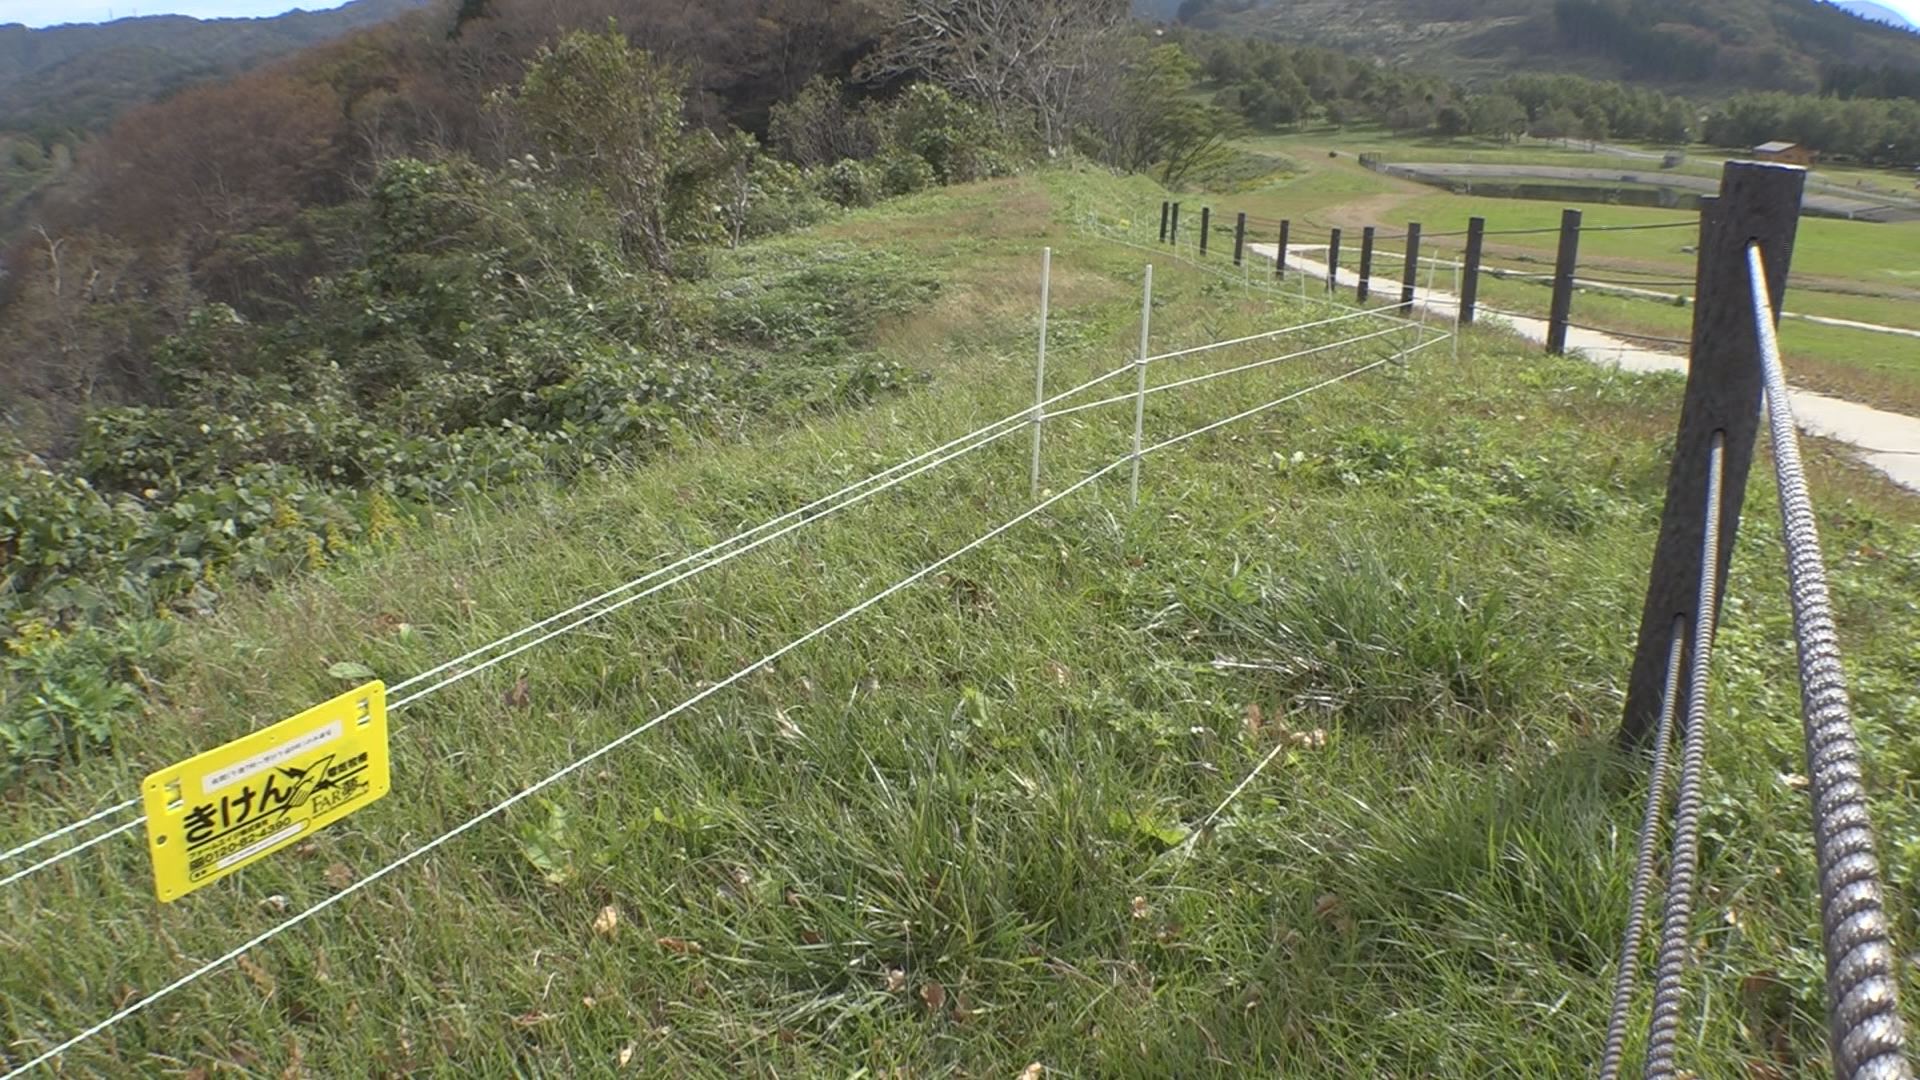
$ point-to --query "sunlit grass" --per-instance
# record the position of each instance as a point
(948, 837)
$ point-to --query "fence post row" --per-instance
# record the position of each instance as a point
(1470, 283)
(1165, 206)
(1280, 255)
(1757, 202)
(1413, 265)
(1206, 223)
(1563, 281)
(1366, 264)
(1173, 226)
(1239, 237)
(1333, 263)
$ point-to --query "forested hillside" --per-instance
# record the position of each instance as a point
(60, 85)
(1708, 47)
(269, 318)
(66, 79)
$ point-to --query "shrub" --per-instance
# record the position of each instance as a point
(904, 173)
(850, 183)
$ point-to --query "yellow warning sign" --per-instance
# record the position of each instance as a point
(218, 811)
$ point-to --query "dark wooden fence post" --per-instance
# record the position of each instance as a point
(1563, 281)
(1333, 263)
(1366, 265)
(1173, 226)
(1206, 226)
(1470, 281)
(1239, 237)
(1164, 207)
(1757, 202)
(1280, 256)
(1413, 265)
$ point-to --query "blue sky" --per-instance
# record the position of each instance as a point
(50, 12)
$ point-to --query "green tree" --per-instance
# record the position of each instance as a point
(1499, 115)
(612, 118)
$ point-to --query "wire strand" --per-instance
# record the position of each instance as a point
(1117, 398)
(67, 853)
(555, 777)
(15, 852)
(1004, 422)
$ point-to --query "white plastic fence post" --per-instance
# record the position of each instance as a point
(1140, 390)
(1457, 309)
(1040, 365)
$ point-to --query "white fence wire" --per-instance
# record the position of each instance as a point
(461, 667)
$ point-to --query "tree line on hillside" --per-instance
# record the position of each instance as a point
(1707, 47)
(266, 318)
(1272, 86)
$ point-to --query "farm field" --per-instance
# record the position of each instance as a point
(961, 833)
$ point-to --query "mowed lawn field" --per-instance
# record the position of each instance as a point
(1862, 271)
(959, 834)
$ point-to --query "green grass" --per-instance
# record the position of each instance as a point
(1878, 369)
(1424, 579)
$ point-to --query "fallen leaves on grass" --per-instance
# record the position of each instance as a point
(338, 876)
(607, 923)
(679, 946)
(896, 980)
(934, 995)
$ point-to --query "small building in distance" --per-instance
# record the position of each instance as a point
(1785, 153)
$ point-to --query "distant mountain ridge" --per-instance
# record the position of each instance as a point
(1703, 47)
(71, 79)
(1880, 13)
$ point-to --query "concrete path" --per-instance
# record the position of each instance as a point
(1687, 298)
(1887, 441)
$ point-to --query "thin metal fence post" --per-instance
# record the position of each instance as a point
(1470, 286)
(1280, 256)
(1206, 225)
(1412, 273)
(1563, 281)
(1333, 263)
(1366, 264)
(1724, 385)
(1040, 364)
(1140, 387)
(1239, 237)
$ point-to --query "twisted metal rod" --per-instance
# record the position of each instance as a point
(1623, 976)
(1865, 1035)
(1664, 1028)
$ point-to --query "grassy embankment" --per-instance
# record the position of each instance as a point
(1850, 270)
(946, 836)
